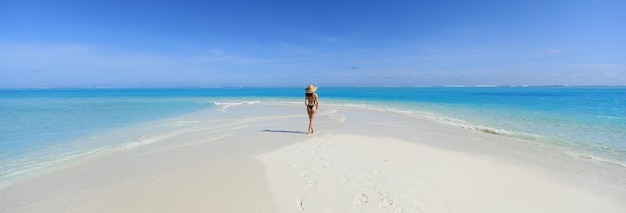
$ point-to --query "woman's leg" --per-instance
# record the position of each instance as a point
(310, 112)
(312, 118)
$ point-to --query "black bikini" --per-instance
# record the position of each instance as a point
(311, 106)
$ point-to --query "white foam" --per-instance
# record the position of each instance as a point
(225, 105)
(614, 118)
(142, 140)
(444, 120)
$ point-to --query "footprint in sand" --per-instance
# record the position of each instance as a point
(299, 201)
(386, 203)
(310, 183)
(360, 199)
(382, 194)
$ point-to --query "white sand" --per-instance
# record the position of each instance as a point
(353, 173)
(253, 158)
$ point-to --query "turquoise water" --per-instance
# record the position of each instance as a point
(587, 121)
(43, 125)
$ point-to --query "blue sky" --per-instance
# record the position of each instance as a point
(137, 43)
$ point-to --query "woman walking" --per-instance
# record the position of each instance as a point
(311, 102)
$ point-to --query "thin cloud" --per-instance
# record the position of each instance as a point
(555, 51)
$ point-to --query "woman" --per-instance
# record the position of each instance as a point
(311, 102)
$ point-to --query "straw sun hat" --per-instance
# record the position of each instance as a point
(310, 89)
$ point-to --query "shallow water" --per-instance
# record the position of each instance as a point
(41, 127)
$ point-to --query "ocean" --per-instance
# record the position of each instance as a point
(43, 128)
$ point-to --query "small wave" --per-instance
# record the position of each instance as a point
(466, 125)
(225, 105)
(595, 158)
(357, 105)
(488, 130)
(613, 117)
(446, 121)
(142, 140)
(485, 129)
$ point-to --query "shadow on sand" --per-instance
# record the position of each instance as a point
(283, 131)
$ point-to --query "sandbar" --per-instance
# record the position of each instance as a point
(256, 157)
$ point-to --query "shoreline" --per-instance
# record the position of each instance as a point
(146, 176)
